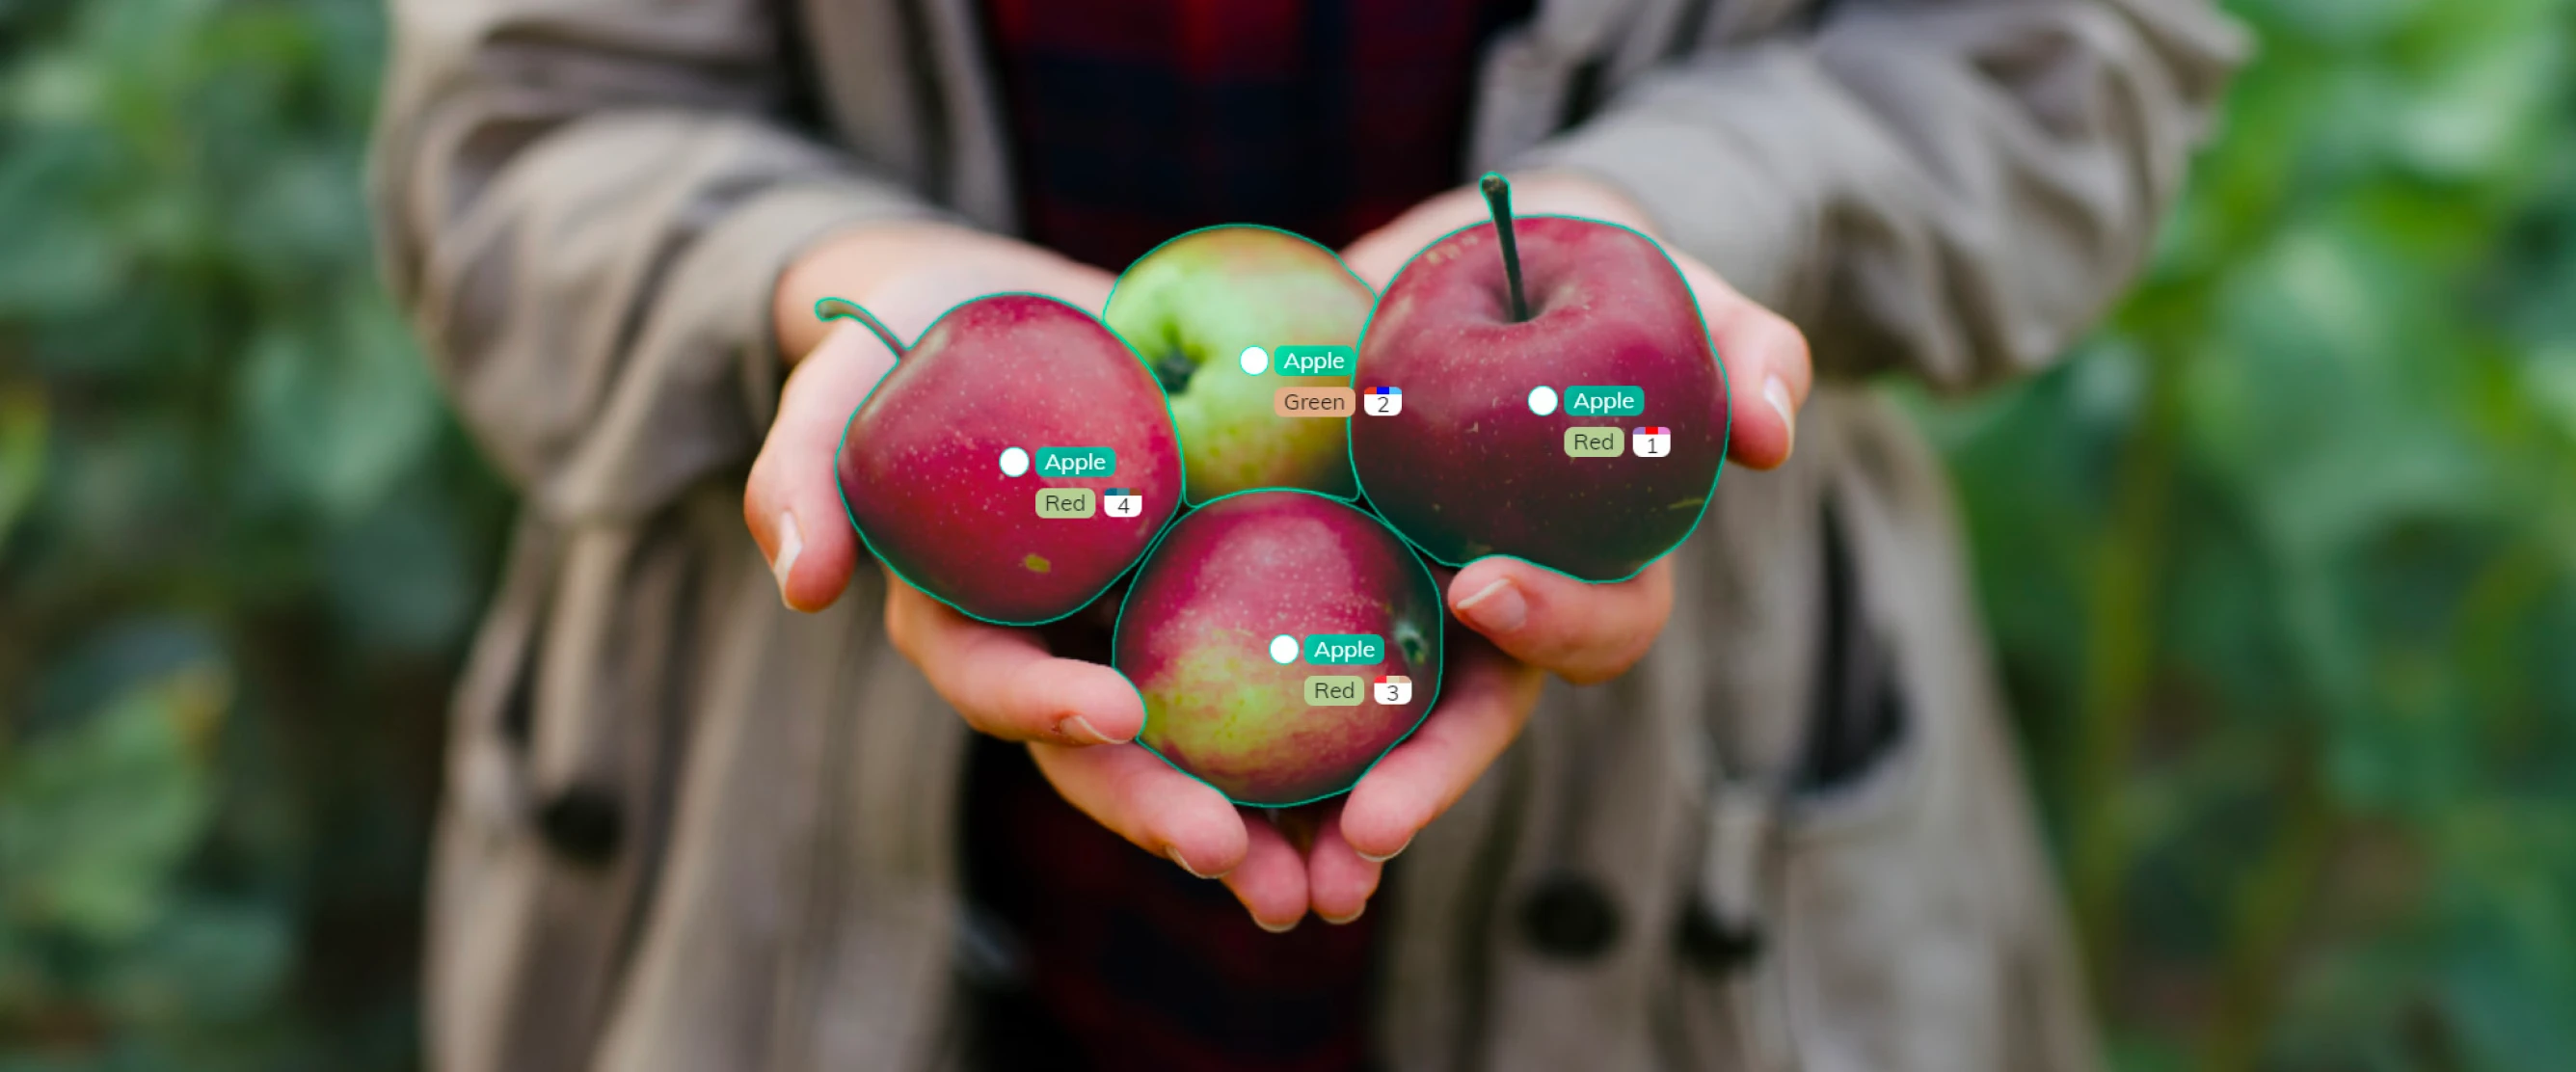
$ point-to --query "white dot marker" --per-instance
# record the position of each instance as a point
(1014, 461)
(1255, 359)
(1542, 400)
(1283, 649)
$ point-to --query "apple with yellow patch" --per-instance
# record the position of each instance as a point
(1195, 636)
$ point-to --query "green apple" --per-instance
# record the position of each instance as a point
(1192, 306)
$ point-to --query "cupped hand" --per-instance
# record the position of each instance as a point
(1516, 622)
(1527, 620)
(1767, 369)
(907, 275)
(1077, 717)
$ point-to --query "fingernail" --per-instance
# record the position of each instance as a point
(1080, 730)
(791, 543)
(1338, 921)
(1408, 843)
(1175, 854)
(1776, 392)
(1497, 608)
(1280, 929)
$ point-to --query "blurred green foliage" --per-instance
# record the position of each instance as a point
(2311, 496)
(2308, 503)
(240, 546)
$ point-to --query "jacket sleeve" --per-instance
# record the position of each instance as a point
(1956, 189)
(584, 206)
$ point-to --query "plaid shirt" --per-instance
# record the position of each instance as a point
(1136, 120)
(1123, 961)
(1133, 121)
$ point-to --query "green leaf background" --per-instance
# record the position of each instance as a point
(241, 545)
(2281, 563)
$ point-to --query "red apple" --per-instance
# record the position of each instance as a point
(1468, 469)
(921, 463)
(1195, 636)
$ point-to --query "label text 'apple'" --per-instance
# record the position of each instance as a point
(1077, 461)
(1313, 360)
(1605, 401)
(1345, 649)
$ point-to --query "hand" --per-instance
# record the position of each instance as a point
(1326, 857)
(906, 275)
(1765, 356)
(1519, 620)
(1526, 619)
(1076, 716)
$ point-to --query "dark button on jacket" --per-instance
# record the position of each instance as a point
(1568, 916)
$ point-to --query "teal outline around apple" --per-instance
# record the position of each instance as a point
(1237, 409)
(860, 313)
(1430, 704)
(1725, 434)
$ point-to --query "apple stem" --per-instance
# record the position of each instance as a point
(1498, 197)
(845, 309)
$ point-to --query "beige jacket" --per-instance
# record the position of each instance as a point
(688, 830)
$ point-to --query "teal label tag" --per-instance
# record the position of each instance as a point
(1605, 401)
(1077, 461)
(1313, 360)
(1345, 649)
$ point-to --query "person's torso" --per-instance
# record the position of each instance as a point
(1130, 122)
(1594, 901)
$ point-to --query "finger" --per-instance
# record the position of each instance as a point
(1767, 363)
(912, 302)
(1583, 632)
(1271, 882)
(1339, 882)
(1376, 256)
(1768, 369)
(792, 500)
(1160, 810)
(1003, 681)
(1483, 704)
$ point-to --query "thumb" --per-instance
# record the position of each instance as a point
(792, 500)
